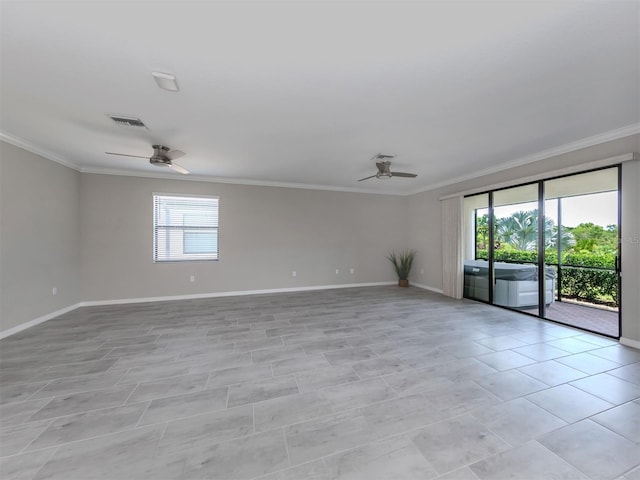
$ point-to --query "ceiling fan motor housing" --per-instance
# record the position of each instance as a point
(159, 158)
(160, 161)
(383, 168)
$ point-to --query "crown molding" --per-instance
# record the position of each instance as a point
(30, 147)
(609, 136)
(233, 181)
(42, 152)
(581, 168)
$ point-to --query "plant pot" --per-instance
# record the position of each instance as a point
(403, 283)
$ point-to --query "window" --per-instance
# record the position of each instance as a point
(185, 228)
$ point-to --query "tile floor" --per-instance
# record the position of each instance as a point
(365, 383)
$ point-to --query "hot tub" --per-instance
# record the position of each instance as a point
(516, 284)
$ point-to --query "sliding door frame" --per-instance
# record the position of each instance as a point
(542, 269)
(541, 250)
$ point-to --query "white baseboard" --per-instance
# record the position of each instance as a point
(123, 301)
(427, 287)
(235, 293)
(630, 343)
(37, 321)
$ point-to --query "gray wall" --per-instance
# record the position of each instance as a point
(91, 237)
(425, 232)
(39, 237)
(265, 234)
(630, 234)
(425, 236)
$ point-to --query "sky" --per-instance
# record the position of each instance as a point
(599, 208)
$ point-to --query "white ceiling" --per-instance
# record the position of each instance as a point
(305, 93)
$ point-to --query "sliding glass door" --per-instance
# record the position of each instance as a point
(515, 248)
(548, 248)
(584, 249)
(476, 267)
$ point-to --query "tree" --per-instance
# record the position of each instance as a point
(590, 237)
(566, 238)
(584, 246)
(520, 230)
(482, 232)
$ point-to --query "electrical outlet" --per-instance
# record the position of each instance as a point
(422, 271)
(337, 271)
(294, 273)
(54, 291)
(352, 271)
(192, 278)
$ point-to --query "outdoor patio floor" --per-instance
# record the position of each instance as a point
(582, 316)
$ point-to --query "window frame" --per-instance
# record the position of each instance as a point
(185, 257)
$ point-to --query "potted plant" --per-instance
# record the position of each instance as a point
(402, 263)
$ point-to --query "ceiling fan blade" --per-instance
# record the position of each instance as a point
(402, 174)
(179, 169)
(367, 178)
(173, 154)
(126, 155)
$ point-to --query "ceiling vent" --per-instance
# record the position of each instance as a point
(128, 122)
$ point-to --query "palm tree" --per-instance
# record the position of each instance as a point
(520, 230)
(567, 239)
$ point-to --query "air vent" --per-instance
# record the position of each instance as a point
(123, 121)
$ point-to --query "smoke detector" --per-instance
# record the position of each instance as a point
(166, 81)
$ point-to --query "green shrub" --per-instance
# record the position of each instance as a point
(592, 285)
(510, 256)
(597, 286)
(574, 259)
(589, 259)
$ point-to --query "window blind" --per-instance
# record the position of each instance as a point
(185, 228)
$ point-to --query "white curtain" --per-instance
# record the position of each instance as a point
(452, 248)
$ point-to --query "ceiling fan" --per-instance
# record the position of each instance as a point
(162, 157)
(384, 168)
